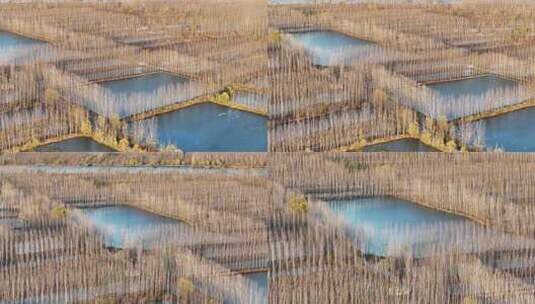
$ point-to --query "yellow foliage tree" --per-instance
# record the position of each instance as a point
(124, 144)
(414, 129)
(298, 204)
(451, 146)
(59, 211)
(85, 127)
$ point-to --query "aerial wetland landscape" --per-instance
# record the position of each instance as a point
(252, 151)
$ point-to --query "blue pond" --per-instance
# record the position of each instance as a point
(472, 86)
(124, 225)
(142, 84)
(381, 219)
(512, 132)
(469, 96)
(260, 280)
(209, 127)
(12, 40)
(328, 47)
(402, 145)
(80, 144)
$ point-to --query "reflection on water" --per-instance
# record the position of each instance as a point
(123, 226)
(381, 221)
(80, 144)
(260, 280)
(328, 48)
(402, 145)
(142, 84)
(472, 86)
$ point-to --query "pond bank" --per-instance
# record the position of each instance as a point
(359, 147)
(192, 102)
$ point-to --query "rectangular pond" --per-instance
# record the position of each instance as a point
(400, 145)
(208, 127)
(142, 84)
(472, 86)
(124, 226)
(332, 48)
(260, 280)
(129, 96)
(9, 40)
(469, 96)
(13, 46)
(79, 144)
(388, 224)
(511, 132)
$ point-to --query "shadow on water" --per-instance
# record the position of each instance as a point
(401, 145)
(80, 144)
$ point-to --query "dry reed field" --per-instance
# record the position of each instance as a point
(216, 228)
(349, 75)
(267, 151)
(199, 235)
(200, 52)
(485, 255)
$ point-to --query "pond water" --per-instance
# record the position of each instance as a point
(209, 127)
(330, 48)
(472, 86)
(123, 226)
(512, 132)
(142, 84)
(465, 97)
(12, 40)
(260, 280)
(388, 224)
(401, 145)
(79, 144)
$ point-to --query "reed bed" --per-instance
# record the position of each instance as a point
(237, 223)
(324, 260)
(226, 234)
(491, 189)
(323, 110)
(413, 45)
(211, 46)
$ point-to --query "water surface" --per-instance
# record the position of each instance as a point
(473, 86)
(260, 280)
(124, 226)
(329, 48)
(512, 132)
(465, 97)
(13, 40)
(79, 144)
(389, 224)
(401, 145)
(142, 84)
(209, 127)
